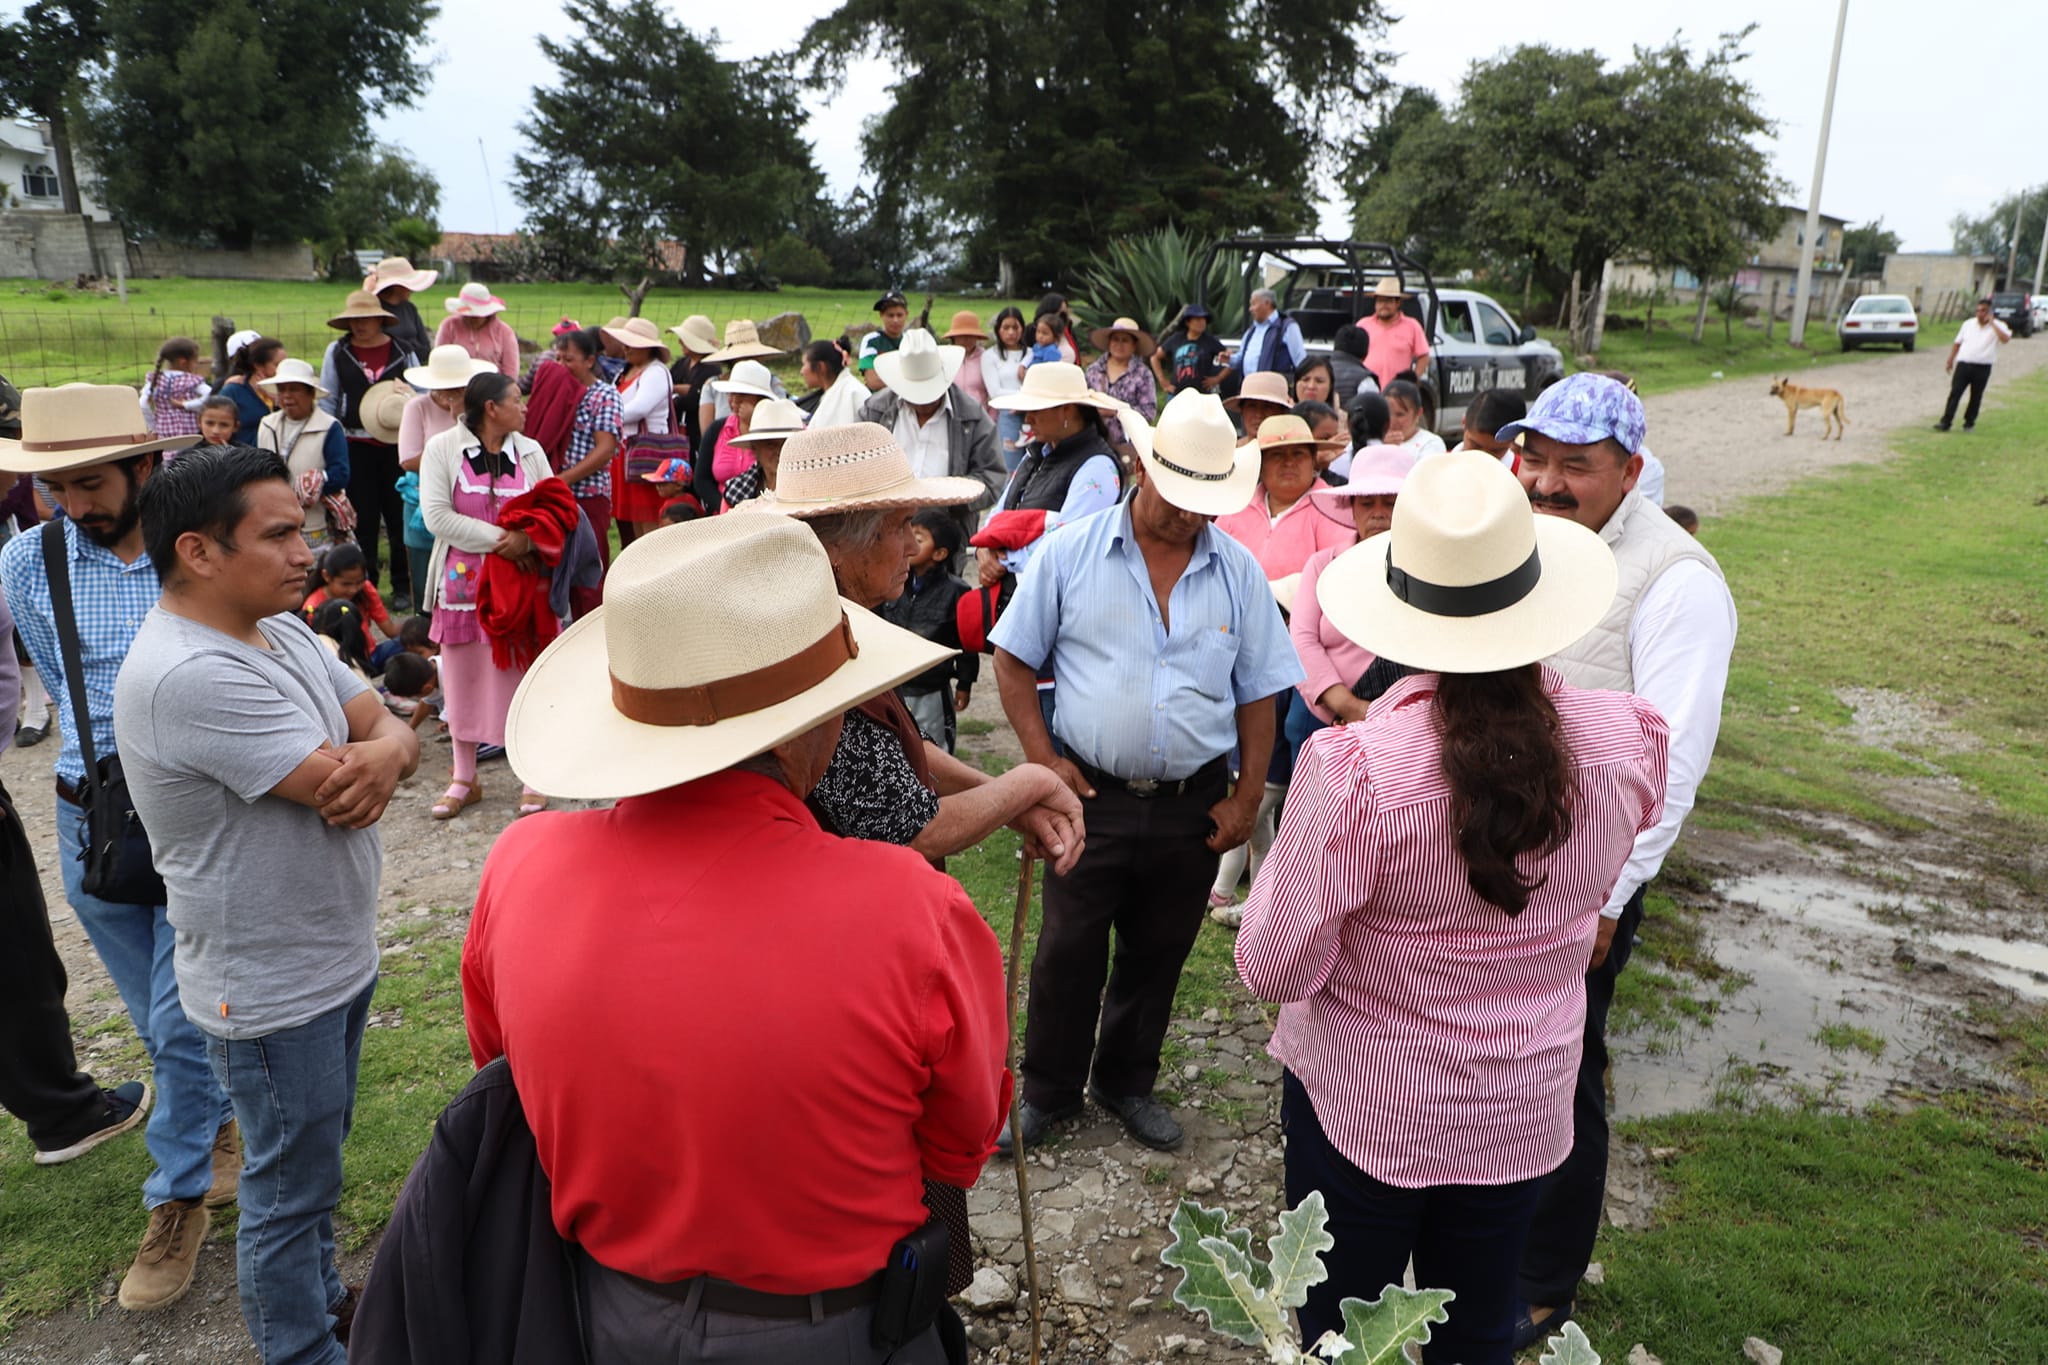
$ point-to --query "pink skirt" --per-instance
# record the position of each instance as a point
(476, 693)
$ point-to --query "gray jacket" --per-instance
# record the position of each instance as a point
(971, 440)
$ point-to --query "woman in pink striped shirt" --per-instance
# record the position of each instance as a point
(1429, 907)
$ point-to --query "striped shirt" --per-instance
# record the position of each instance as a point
(111, 600)
(1437, 1037)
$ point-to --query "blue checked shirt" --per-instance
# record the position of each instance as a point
(1130, 698)
(111, 600)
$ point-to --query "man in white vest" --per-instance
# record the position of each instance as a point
(1666, 638)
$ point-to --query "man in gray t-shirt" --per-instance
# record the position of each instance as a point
(260, 766)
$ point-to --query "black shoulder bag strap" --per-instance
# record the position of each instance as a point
(57, 568)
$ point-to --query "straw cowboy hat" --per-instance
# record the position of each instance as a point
(448, 367)
(1376, 472)
(749, 376)
(1099, 338)
(75, 425)
(362, 303)
(1267, 386)
(777, 419)
(383, 408)
(474, 301)
(1390, 288)
(294, 371)
(742, 342)
(920, 370)
(852, 468)
(1470, 579)
(1192, 455)
(966, 323)
(667, 682)
(638, 334)
(695, 334)
(1053, 384)
(396, 270)
(1285, 431)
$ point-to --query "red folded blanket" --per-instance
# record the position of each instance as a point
(1010, 530)
(512, 604)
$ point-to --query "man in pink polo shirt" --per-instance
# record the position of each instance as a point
(1399, 349)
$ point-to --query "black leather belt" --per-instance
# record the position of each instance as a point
(1146, 788)
(722, 1296)
(69, 793)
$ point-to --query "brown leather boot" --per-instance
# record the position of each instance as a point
(170, 1252)
(227, 1165)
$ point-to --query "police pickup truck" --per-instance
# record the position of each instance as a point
(1475, 344)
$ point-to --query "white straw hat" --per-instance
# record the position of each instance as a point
(293, 370)
(847, 468)
(474, 301)
(1470, 579)
(920, 370)
(776, 419)
(1193, 457)
(448, 367)
(398, 270)
(637, 334)
(742, 342)
(1053, 384)
(718, 639)
(695, 333)
(381, 409)
(1266, 386)
(75, 425)
(749, 376)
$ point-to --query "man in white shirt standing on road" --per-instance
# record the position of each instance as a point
(1666, 638)
(1969, 364)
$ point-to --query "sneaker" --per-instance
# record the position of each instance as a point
(170, 1253)
(1229, 916)
(227, 1165)
(486, 752)
(123, 1107)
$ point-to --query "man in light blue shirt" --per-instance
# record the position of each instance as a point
(1273, 341)
(1167, 649)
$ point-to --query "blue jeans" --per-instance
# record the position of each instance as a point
(295, 1094)
(1010, 430)
(1298, 726)
(135, 944)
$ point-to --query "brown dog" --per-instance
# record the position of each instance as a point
(1833, 417)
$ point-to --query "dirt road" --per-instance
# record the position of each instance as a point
(1798, 920)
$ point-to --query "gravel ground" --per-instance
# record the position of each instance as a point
(1100, 1201)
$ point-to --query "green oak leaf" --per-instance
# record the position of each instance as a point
(1201, 1222)
(1379, 1332)
(1217, 1278)
(1570, 1347)
(1296, 1251)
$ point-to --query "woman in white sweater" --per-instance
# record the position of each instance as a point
(1002, 371)
(644, 410)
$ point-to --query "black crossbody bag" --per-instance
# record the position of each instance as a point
(116, 855)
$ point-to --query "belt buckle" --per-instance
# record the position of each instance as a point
(1143, 786)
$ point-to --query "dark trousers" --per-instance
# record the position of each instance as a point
(40, 1082)
(1464, 1238)
(373, 491)
(598, 507)
(1145, 874)
(1971, 376)
(1568, 1215)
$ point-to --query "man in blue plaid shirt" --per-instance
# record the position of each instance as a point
(80, 441)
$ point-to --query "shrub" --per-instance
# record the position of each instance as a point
(1148, 276)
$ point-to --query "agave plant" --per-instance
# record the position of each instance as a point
(1148, 276)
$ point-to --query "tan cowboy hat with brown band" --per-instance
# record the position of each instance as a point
(717, 640)
(1099, 338)
(382, 409)
(695, 334)
(396, 270)
(638, 334)
(361, 304)
(74, 425)
(1192, 456)
(1389, 288)
(742, 342)
(966, 323)
(1470, 579)
(1054, 384)
(1285, 431)
(852, 468)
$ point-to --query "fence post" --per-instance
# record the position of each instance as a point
(223, 328)
(1771, 314)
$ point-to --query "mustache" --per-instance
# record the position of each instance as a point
(1564, 502)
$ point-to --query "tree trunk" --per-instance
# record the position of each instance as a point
(1571, 315)
(60, 146)
(223, 328)
(1597, 330)
(637, 295)
(1699, 318)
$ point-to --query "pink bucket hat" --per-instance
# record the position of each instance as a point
(1376, 471)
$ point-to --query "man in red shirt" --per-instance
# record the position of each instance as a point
(740, 1066)
(1398, 349)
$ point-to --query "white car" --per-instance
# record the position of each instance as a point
(1879, 320)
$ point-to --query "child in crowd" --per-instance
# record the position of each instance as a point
(412, 683)
(340, 627)
(1405, 429)
(173, 391)
(219, 420)
(671, 479)
(679, 510)
(930, 606)
(1685, 517)
(1328, 428)
(1047, 346)
(415, 636)
(1369, 419)
(1486, 414)
(340, 573)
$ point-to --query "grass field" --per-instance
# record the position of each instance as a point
(1665, 358)
(57, 335)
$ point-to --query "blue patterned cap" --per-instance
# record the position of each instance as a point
(1582, 410)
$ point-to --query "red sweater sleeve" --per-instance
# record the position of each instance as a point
(967, 1034)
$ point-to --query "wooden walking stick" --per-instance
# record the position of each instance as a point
(1018, 1157)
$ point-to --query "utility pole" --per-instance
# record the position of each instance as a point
(1802, 292)
(2012, 252)
(2041, 257)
